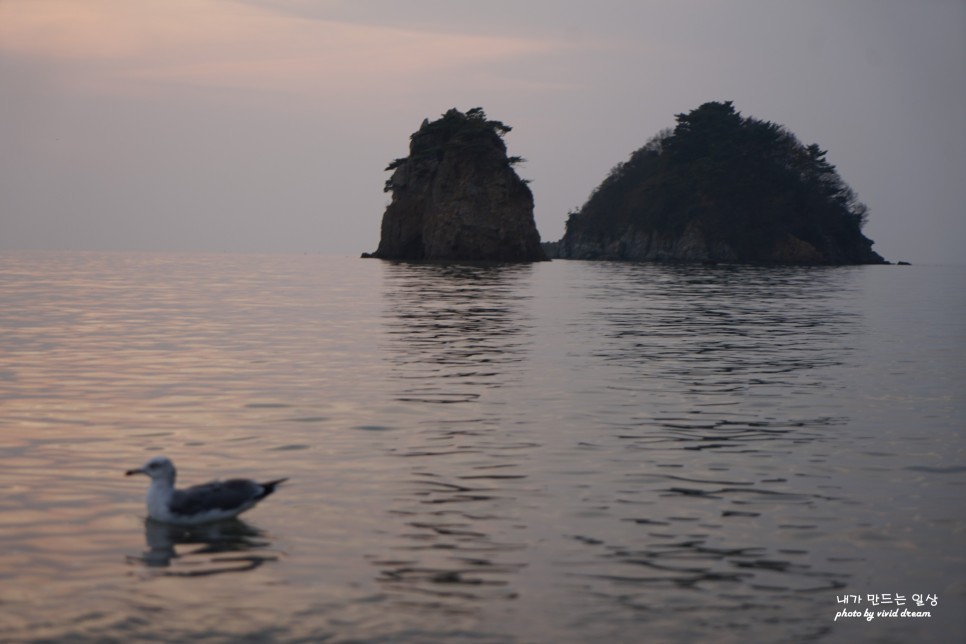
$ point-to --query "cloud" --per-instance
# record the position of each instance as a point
(123, 46)
(58, 30)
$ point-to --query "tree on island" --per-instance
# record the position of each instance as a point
(722, 187)
(456, 131)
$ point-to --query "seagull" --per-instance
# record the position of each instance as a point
(204, 503)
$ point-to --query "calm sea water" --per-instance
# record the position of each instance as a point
(560, 452)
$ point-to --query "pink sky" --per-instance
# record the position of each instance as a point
(266, 124)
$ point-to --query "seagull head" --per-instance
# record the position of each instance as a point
(158, 468)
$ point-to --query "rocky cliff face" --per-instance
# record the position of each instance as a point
(695, 245)
(457, 197)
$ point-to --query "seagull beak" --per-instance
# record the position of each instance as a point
(137, 471)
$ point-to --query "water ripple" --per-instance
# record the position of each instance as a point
(568, 451)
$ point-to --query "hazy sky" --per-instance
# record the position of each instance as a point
(265, 125)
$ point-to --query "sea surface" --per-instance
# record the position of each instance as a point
(560, 452)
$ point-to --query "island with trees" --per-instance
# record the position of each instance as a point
(721, 187)
(457, 197)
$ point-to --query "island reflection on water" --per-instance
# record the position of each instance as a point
(456, 334)
(472, 488)
(568, 451)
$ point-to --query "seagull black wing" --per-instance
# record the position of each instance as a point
(233, 494)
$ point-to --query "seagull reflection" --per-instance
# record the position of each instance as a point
(209, 549)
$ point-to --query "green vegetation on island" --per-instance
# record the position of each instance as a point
(721, 187)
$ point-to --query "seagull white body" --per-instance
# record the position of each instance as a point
(205, 503)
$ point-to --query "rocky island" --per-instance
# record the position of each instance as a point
(457, 197)
(720, 187)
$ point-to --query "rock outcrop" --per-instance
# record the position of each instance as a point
(720, 187)
(695, 245)
(457, 197)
